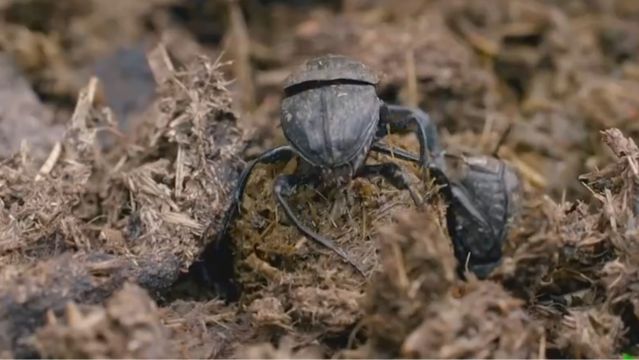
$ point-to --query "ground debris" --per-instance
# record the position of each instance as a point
(23, 116)
(546, 85)
(334, 308)
(432, 70)
(556, 242)
(486, 322)
(207, 329)
(58, 44)
(269, 311)
(576, 264)
(417, 307)
(287, 349)
(417, 269)
(616, 188)
(592, 333)
(619, 144)
(125, 213)
(127, 326)
(621, 279)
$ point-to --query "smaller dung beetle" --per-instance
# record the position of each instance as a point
(332, 118)
(483, 197)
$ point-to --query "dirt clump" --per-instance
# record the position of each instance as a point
(128, 326)
(418, 268)
(286, 349)
(486, 322)
(591, 333)
(90, 220)
(418, 307)
(206, 329)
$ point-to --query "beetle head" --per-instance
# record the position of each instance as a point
(329, 68)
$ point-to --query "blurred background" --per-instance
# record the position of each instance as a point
(554, 72)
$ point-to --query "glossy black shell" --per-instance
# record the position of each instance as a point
(331, 111)
(485, 199)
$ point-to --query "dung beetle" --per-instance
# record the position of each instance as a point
(483, 197)
(332, 119)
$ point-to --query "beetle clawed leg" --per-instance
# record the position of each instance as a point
(437, 158)
(215, 265)
(402, 119)
(394, 174)
(284, 184)
(436, 169)
(395, 152)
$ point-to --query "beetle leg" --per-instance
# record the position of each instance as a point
(278, 154)
(436, 170)
(217, 257)
(395, 152)
(393, 174)
(284, 185)
(401, 119)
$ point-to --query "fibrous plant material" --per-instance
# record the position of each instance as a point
(574, 265)
(616, 189)
(128, 326)
(484, 323)
(592, 333)
(416, 307)
(91, 219)
(206, 329)
(286, 349)
(76, 222)
(417, 269)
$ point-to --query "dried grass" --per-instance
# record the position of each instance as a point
(128, 213)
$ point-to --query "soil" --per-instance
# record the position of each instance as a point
(124, 127)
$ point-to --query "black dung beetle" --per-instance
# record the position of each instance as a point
(332, 118)
(483, 197)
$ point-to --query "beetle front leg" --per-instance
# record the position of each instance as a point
(284, 186)
(278, 154)
(395, 152)
(393, 174)
(216, 262)
(402, 119)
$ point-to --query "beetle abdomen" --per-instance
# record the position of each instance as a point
(485, 197)
(330, 125)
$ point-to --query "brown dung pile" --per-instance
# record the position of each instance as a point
(117, 153)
